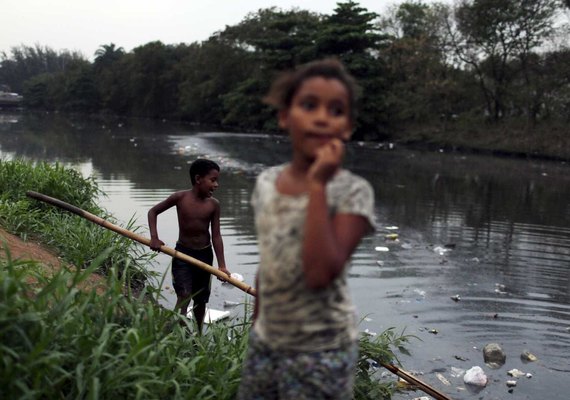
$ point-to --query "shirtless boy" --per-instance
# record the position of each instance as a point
(197, 212)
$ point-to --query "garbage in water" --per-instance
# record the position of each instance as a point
(475, 376)
(515, 373)
(441, 250)
(443, 379)
(456, 298)
(528, 356)
(236, 276)
(381, 248)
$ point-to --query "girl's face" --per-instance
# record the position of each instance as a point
(319, 112)
(208, 183)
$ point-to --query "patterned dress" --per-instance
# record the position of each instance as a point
(296, 324)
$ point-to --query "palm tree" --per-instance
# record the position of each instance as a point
(108, 54)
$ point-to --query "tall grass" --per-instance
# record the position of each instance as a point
(77, 241)
(60, 342)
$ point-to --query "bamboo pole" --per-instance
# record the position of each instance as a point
(141, 239)
(214, 271)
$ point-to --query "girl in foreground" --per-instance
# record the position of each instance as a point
(310, 215)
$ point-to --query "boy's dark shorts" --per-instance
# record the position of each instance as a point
(189, 279)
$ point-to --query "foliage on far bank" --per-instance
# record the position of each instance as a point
(436, 64)
(76, 240)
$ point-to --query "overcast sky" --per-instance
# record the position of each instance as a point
(85, 25)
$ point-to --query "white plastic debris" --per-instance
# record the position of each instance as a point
(381, 248)
(443, 379)
(441, 250)
(236, 276)
(511, 383)
(516, 373)
(475, 376)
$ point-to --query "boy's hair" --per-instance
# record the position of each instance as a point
(202, 167)
(288, 83)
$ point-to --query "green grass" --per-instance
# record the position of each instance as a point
(77, 241)
(60, 342)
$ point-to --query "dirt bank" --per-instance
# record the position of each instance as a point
(46, 259)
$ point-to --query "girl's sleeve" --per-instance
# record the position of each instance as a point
(359, 200)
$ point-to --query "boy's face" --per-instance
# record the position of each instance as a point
(319, 112)
(208, 183)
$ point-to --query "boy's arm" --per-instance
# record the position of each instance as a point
(155, 242)
(217, 241)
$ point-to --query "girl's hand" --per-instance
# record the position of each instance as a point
(327, 163)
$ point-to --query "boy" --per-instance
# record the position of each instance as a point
(197, 211)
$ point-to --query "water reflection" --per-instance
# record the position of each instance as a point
(494, 231)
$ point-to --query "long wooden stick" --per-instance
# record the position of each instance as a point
(141, 239)
(214, 271)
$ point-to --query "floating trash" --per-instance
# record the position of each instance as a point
(369, 332)
(391, 236)
(475, 376)
(392, 228)
(381, 248)
(511, 383)
(236, 276)
(516, 373)
(228, 303)
(380, 263)
(406, 246)
(528, 356)
(456, 298)
(440, 250)
(443, 379)
(434, 331)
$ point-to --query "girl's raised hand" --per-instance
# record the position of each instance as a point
(328, 161)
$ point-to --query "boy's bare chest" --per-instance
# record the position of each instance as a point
(190, 209)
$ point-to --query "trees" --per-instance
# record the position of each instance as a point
(351, 35)
(26, 62)
(489, 35)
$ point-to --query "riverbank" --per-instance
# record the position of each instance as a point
(544, 141)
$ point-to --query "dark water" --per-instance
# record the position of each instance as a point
(494, 231)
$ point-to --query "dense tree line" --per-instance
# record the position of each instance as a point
(418, 64)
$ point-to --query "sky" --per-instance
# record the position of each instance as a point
(85, 25)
